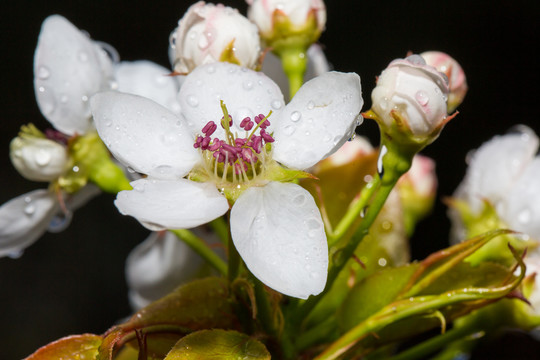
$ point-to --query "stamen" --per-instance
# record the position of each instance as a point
(267, 137)
(209, 128)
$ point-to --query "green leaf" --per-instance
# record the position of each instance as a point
(218, 345)
(201, 304)
(75, 347)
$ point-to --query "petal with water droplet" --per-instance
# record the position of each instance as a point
(165, 204)
(326, 105)
(278, 231)
(149, 80)
(68, 70)
(202, 91)
(144, 135)
(24, 219)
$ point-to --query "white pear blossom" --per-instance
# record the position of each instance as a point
(209, 33)
(262, 13)
(416, 92)
(276, 227)
(505, 172)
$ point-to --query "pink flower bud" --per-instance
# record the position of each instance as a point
(456, 76)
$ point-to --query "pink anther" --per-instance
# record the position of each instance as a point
(266, 136)
(209, 128)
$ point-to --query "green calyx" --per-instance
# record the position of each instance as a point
(285, 35)
(90, 161)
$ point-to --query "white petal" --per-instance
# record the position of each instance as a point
(317, 65)
(495, 166)
(157, 266)
(278, 231)
(319, 119)
(68, 70)
(521, 206)
(144, 135)
(178, 204)
(24, 219)
(149, 80)
(245, 93)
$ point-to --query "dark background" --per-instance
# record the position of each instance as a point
(73, 282)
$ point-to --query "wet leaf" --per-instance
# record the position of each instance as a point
(218, 345)
(75, 347)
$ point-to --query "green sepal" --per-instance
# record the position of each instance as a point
(91, 161)
(228, 54)
(74, 347)
(218, 345)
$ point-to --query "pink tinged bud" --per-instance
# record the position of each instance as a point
(267, 137)
(453, 71)
(209, 128)
(413, 92)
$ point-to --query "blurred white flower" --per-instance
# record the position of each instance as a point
(209, 33)
(276, 227)
(505, 172)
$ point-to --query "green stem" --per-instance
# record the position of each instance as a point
(200, 247)
(294, 62)
(422, 350)
(354, 211)
(394, 164)
(219, 226)
(314, 335)
(233, 255)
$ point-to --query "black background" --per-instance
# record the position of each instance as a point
(73, 282)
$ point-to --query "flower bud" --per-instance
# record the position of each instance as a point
(278, 20)
(456, 76)
(409, 101)
(38, 158)
(209, 33)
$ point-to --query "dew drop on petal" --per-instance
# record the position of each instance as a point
(422, 97)
(43, 73)
(299, 200)
(82, 56)
(289, 130)
(29, 209)
(203, 42)
(359, 120)
(210, 70)
(60, 222)
(525, 216)
(313, 274)
(47, 101)
(276, 104)
(64, 99)
(42, 157)
(192, 101)
(248, 85)
(295, 116)
(310, 105)
(16, 254)
(327, 138)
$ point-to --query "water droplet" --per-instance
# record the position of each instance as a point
(75, 169)
(422, 97)
(82, 56)
(164, 169)
(168, 138)
(84, 98)
(384, 104)
(210, 69)
(43, 73)
(307, 133)
(140, 187)
(383, 152)
(382, 262)
(416, 59)
(64, 99)
(29, 209)
(42, 157)
(130, 170)
(299, 200)
(310, 105)
(192, 101)
(46, 100)
(289, 129)
(248, 85)
(314, 275)
(203, 42)
(277, 104)
(337, 139)
(295, 116)
(160, 80)
(60, 222)
(351, 138)
(327, 138)
(386, 226)
(15, 254)
(108, 123)
(359, 119)
(525, 216)
(117, 128)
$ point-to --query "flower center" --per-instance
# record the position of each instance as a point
(238, 158)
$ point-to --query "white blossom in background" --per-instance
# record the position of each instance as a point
(161, 263)
(505, 171)
(413, 91)
(209, 33)
(276, 226)
(264, 13)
